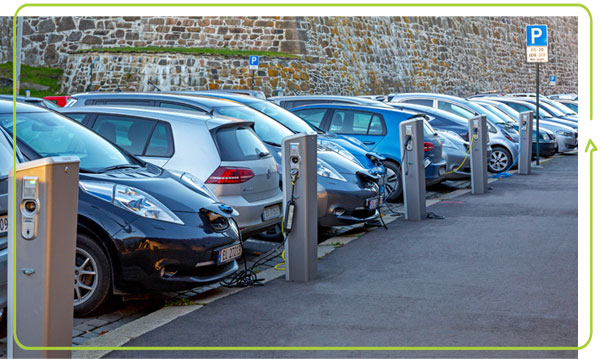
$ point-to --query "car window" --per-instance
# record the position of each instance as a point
(117, 102)
(314, 116)
(76, 116)
(285, 117)
(130, 133)
(179, 106)
(352, 122)
(161, 142)
(6, 156)
(420, 101)
(267, 129)
(239, 144)
(455, 109)
(50, 134)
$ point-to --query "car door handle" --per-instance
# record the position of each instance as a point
(369, 142)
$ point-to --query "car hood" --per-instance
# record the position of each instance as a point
(160, 184)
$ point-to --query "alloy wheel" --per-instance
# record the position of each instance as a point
(86, 276)
(498, 161)
(391, 183)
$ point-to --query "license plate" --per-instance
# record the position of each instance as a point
(271, 212)
(372, 203)
(3, 224)
(228, 254)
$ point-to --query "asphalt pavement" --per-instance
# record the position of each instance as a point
(499, 270)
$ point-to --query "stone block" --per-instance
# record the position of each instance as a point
(65, 23)
(46, 26)
(86, 24)
(91, 40)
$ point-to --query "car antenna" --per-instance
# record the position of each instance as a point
(155, 87)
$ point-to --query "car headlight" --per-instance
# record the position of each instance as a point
(332, 146)
(196, 183)
(545, 137)
(131, 199)
(565, 133)
(324, 169)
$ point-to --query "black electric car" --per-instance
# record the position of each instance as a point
(139, 228)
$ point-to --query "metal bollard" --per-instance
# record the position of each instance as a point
(525, 142)
(43, 247)
(413, 169)
(300, 212)
(479, 161)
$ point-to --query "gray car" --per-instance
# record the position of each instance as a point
(224, 154)
(503, 138)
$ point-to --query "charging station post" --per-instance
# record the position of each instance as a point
(479, 161)
(413, 169)
(525, 142)
(43, 246)
(300, 206)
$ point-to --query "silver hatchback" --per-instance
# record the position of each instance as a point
(221, 153)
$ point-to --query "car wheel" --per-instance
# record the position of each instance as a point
(92, 276)
(393, 184)
(500, 160)
(271, 235)
(3, 323)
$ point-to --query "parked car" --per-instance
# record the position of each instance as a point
(555, 109)
(251, 93)
(358, 187)
(519, 104)
(503, 138)
(6, 163)
(378, 129)
(565, 133)
(456, 154)
(547, 140)
(573, 105)
(348, 147)
(32, 101)
(234, 164)
(290, 102)
(139, 228)
(564, 96)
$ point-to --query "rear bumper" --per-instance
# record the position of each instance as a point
(343, 203)
(250, 219)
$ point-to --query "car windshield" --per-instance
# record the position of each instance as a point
(281, 115)
(269, 130)
(562, 108)
(489, 114)
(497, 112)
(6, 156)
(50, 134)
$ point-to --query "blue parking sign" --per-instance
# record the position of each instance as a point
(552, 78)
(537, 35)
(254, 60)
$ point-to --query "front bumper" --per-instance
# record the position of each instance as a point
(435, 172)
(343, 203)
(547, 149)
(162, 256)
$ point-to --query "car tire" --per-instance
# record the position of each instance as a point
(3, 323)
(92, 276)
(271, 235)
(393, 186)
(500, 160)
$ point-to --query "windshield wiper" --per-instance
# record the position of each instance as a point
(272, 143)
(117, 167)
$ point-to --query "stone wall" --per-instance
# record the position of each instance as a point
(337, 55)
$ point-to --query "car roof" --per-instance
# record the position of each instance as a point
(226, 95)
(6, 106)
(162, 114)
(22, 98)
(353, 99)
(430, 110)
(189, 98)
(429, 95)
(350, 106)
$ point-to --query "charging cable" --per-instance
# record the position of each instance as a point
(464, 159)
(505, 173)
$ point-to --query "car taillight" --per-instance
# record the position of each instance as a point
(428, 146)
(225, 175)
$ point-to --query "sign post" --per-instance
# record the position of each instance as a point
(537, 51)
(253, 63)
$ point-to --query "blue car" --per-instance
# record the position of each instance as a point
(378, 129)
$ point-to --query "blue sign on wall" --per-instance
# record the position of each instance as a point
(254, 60)
(537, 35)
(552, 78)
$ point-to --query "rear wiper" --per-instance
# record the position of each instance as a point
(264, 154)
(272, 143)
(117, 167)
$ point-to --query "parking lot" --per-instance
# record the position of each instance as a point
(207, 145)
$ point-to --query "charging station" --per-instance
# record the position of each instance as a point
(413, 169)
(479, 159)
(43, 246)
(525, 142)
(300, 206)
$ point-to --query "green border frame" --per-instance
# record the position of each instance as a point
(307, 348)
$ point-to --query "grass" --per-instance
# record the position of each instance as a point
(46, 76)
(190, 50)
(179, 302)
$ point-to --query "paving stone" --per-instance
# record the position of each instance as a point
(84, 327)
(79, 340)
(96, 322)
(76, 332)
(90, 335)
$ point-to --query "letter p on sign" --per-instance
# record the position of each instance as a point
(537, 35)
